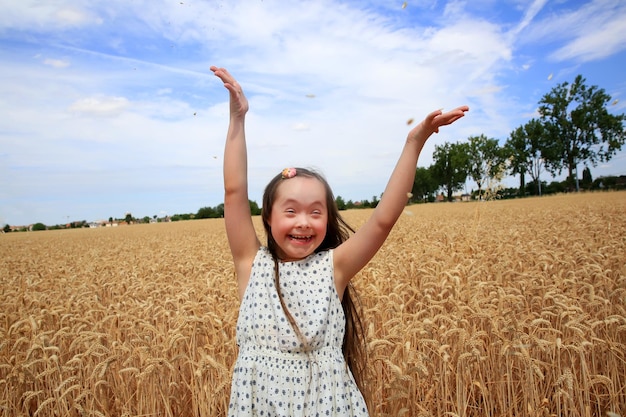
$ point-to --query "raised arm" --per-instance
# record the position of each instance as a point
(357, 251)
(242, 237)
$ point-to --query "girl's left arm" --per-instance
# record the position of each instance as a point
(351, 256)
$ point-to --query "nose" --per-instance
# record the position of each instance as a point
(302, 221)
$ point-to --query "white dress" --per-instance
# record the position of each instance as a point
(275, 374)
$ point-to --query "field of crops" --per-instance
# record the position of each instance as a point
(502, 308)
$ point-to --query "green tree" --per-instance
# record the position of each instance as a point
(516, 151)
(485, 160)
(128, 218)
(580, 126)
(206, 213)
(254, 208)
(451, 166)
(424, 185)
(341, 204)
(6, 228)
(527, 148)
(587, 178)
(39, 226)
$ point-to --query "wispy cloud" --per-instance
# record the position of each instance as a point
(609, 39)
(589, 31)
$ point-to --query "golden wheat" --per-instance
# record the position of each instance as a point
(508, 308)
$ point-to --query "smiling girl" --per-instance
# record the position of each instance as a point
(301, 351)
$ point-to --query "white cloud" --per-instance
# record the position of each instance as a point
(35, 15)
(100, 106)
(607, 39)
(529, 15)
(301, 127)
(56, 63)
(588, 32)
(74, 17)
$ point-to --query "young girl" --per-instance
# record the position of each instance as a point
(297, 325)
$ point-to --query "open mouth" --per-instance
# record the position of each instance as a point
(302, 239)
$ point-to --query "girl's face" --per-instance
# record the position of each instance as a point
(299, 217)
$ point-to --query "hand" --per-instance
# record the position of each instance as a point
(238, 101)
(435, 120)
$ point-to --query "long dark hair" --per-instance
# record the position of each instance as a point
(337, 231)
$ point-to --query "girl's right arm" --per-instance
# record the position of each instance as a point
(240, 231)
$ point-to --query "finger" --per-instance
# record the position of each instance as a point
(220, 72)
(450, 120)
(459, 111)
(223, 74)
(231, 88)
(433, 115)
(455, 114)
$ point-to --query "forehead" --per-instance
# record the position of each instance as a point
(305, 190)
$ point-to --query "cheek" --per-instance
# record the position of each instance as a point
(321, 227)
(278, 226)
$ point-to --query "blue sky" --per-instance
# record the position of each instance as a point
(109, 107)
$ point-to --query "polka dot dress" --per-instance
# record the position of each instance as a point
(275, 373)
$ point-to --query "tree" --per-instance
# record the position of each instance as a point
(206, 213)
(341, 204)
(516, 151)
(451, 166)
(527, 148)
(6, 228)
(254, 208)
(128, 218)
(587, 178)
(485, 161)
(580, 126)
(39, 226)
(424, 185)
(213, 212)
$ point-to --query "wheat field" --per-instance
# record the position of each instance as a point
(500, 308)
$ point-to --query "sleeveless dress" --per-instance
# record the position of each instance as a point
(275, 373)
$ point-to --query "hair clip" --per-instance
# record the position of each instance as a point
(288, 173)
